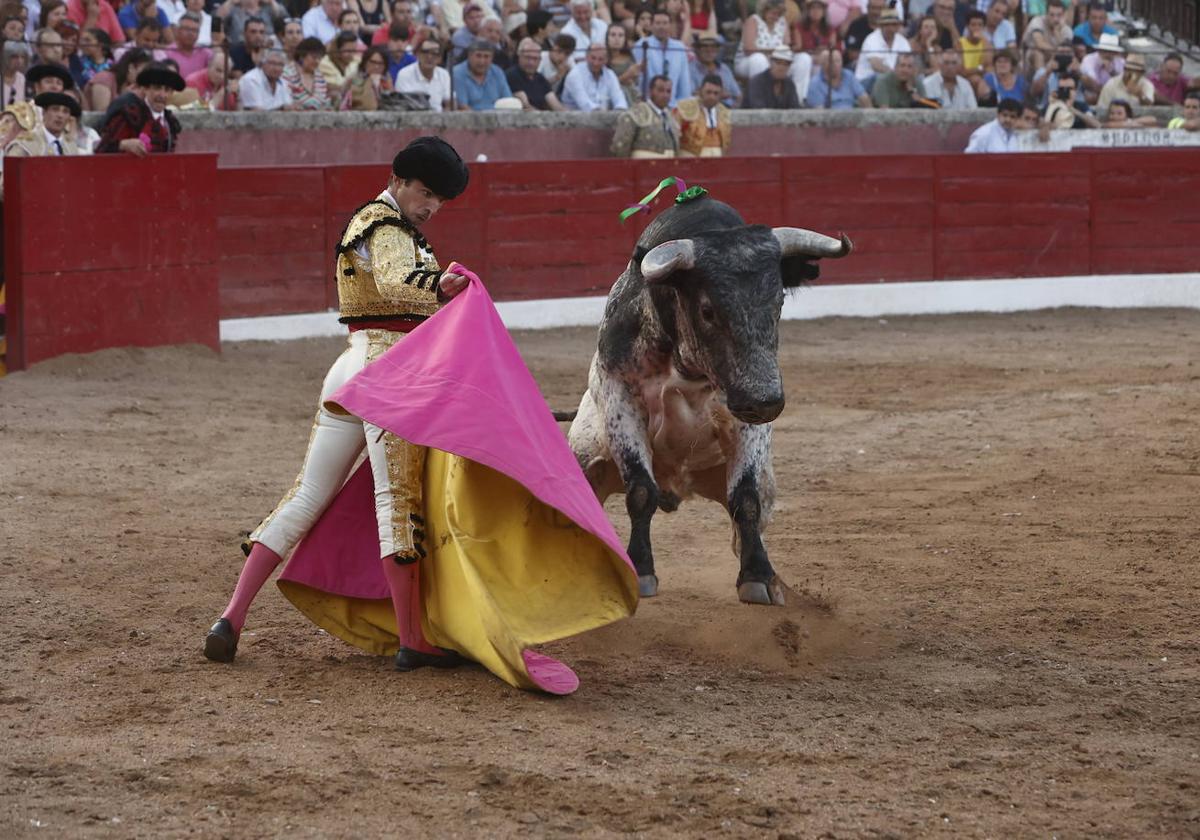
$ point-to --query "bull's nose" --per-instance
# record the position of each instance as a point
(759, 411)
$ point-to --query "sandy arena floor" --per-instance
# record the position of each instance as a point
(992, 521)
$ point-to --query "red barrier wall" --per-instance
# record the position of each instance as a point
(109, 251)
(544, 230)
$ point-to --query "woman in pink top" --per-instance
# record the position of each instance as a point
(96, 14)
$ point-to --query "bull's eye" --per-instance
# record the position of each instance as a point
(708, 313)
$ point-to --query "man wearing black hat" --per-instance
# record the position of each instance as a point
(49, 78)
(140, 123)
(388, 282)
(51, 137)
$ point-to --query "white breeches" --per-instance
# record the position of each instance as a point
(755, 63)
(333, 448)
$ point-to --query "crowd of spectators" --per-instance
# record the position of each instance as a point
(593, 54)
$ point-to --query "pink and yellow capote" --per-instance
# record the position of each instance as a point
(518, 550)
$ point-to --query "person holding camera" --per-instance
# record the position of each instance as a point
(1065, 111)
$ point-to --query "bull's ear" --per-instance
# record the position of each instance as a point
(796, 271)
(664, 260)
(798, 242)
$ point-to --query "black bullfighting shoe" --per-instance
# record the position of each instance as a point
(220, 645)
(408, 659)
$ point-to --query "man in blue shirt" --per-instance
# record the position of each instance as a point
(706, 62)
(831, 88)
(477, 82)
(1096, 25)
(664, 56)
(592, 86)
(131, 15)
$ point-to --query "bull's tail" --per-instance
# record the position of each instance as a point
(565, 416)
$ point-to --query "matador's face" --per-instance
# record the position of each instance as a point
(417, 202)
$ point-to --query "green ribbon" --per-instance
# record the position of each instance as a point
(644, 204)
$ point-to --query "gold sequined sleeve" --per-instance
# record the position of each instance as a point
(396, 265)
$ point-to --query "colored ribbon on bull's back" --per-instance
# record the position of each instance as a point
(519, 551)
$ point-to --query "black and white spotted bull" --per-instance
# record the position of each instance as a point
(685, 381)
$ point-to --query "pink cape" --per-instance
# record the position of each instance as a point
(458, 384)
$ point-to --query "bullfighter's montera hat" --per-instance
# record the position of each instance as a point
(160, 74)
(45, 100)
(42, 71)
(434, 162)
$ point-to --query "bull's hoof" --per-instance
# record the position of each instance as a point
(647, 586)
(767, 594)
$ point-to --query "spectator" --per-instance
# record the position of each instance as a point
(1170, 85)
(708, 63)
(831, 88)
(69, 33)
(591, 86)
(773, 88)
(400, 51)
(349, 22)
(663, 55)
(368, 85)
(642, 20)
(902, 87)
(1003, 82)
(841, 14)
(530, 86)
(139, 122)
(465, 35)
(943, 14)
(148, 36)
(95, 53)
(492, 32)
(196, 7)
(13, 30)
(106, 86)
(340, 63)
(585, 28)
(321, 21)
(49, 78)
(1064, 112)
(999, 134)
(16, 59)
(212, 86)
(185, 53)
(514, 27)
(237, 12)
(48, 48)
(1120, 115)
(426, 76)
(648, 129)
(136, 11)
(540, 26)
(859, 28)
(263, 88)
(1098, 67)
(1046, 34)
(762, 34)
(621, 62)
(1030, 116)
(53, 13)
(947, 88)
(401, 22)
(174, 10)
(96, 14)
(702, 20)
(304, 80)
(1096, 26)
(1190, 119)
(998, 28)
(976, 49)
(478, 83)
(705, 123)
(248, 54)
(51, 137)
(290, 34)
(374, 16)
(926, 44)
(880, 49)
(680, 26)
(813, 32)
(1132, 85)
(558, 61)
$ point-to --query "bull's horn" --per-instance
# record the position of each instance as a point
(661, 260)
(798, 242)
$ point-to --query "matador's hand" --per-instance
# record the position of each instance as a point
(453, 280)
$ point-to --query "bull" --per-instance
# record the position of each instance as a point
(685, 380)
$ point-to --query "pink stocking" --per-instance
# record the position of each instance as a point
(259, 565)
(405, 583)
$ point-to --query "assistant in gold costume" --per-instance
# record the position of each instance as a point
(388, 281)
(704, 121)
